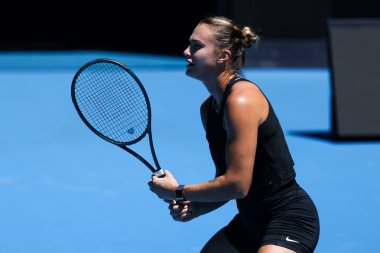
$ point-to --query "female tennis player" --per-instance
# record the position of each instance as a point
(253, 162)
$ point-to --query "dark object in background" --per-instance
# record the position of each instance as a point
(354, 53)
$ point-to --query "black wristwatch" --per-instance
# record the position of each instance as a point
(179, 195)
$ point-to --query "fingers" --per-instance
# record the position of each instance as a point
(175, 205)
(184, 216)
(180, 211)
(163, 187)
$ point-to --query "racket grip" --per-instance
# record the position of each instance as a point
(159, 173)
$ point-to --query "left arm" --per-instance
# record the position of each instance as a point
(242, 119)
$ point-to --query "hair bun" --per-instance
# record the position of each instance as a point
(249, 37)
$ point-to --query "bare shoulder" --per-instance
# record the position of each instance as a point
(246, 97)
(246, 89)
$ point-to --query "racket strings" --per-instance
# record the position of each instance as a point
(112, 102)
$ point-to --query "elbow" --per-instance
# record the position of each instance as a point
(242, 194)
(239, 186)
(241, 190)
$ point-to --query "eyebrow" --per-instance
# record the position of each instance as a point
(195, 41)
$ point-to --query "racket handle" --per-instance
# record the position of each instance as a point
(159, 173)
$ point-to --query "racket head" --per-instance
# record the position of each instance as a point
(111, 101)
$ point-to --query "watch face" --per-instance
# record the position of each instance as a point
(179, 193)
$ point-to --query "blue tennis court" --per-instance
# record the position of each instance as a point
(63, 189)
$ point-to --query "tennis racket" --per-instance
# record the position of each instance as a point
(113, 103)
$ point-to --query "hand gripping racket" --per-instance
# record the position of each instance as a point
(113, 103)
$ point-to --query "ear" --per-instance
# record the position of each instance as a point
(224, 56)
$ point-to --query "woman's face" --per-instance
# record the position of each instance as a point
(201, 54)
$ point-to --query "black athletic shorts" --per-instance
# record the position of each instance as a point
(288, 219)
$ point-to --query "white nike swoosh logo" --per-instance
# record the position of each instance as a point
(290, 240)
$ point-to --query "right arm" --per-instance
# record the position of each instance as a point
(206, 207)
(187, 210)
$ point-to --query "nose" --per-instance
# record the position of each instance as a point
(186, 53)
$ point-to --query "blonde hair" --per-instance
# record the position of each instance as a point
(228, 35)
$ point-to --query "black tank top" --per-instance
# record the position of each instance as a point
(273, 166)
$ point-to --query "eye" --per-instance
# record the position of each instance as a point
(195, 47)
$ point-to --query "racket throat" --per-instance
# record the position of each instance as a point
(156, 172)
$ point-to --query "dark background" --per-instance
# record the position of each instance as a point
(161, 27)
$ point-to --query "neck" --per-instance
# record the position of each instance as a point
(218, 86)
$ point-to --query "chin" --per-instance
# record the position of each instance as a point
(192, 73)
(189, 72)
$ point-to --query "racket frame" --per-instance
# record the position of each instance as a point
(156, 172)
